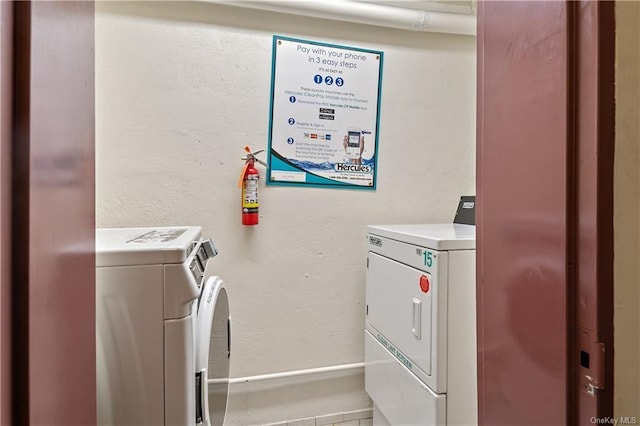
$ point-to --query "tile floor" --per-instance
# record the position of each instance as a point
(352, 418)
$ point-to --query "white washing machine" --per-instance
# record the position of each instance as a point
(163, 329)
(420, 337)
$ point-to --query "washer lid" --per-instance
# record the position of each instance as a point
(438, 236)
(144, 246)
(213, 353)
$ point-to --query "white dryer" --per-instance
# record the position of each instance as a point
(420, 337)
(163, 329)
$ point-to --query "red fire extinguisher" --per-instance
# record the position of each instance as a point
(249, 179)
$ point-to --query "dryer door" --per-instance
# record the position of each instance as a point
(213, 351)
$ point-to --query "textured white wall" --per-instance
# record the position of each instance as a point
(182, 87)
(627, 213)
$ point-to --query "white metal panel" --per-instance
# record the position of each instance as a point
(415, 256)
(443, 236)
(179, 372)
(129, 334)
(180, 290)
(391, 294)
(462, 375)
(399, 395)
(378, 417)
(144, 246)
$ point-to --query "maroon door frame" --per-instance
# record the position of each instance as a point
(53, 214)
(6, 91)
(544, 213)
(595, 136)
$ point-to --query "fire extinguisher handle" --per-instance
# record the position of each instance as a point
(252, 156)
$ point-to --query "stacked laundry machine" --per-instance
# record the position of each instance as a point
(163, 328)
(420, 336)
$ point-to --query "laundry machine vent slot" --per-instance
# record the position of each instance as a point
(198, 398)
(229, 338)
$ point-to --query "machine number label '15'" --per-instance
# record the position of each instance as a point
(428, 258)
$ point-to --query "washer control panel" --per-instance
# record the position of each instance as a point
(204, 250)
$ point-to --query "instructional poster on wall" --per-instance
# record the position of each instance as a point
(325, 103)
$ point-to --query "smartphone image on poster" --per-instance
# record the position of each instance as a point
(353, 144)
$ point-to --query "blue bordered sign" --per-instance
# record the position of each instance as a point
(335, 117)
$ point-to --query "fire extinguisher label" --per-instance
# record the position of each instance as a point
(250, 194)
